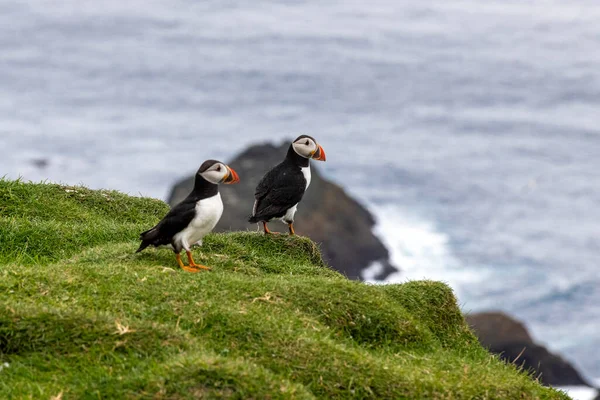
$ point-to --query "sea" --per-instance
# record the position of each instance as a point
(470, 129)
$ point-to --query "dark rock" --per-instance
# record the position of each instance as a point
(551, 368)
(496, 328)
(40, 163)
(326, 214)
(509, 338)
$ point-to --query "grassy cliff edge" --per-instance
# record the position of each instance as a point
(81, 316)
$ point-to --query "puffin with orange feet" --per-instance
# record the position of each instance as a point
(189, 221)
(281, 189)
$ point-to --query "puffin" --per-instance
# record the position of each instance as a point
(281, 188)
(189, 221)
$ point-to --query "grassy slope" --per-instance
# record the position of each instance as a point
(81, 315)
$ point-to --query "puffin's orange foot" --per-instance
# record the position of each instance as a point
(267, 231)
(193, 267)
(190, 269)
(193, 263)
(291, 226)
(199, 267)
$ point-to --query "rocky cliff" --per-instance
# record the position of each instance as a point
(509, 338)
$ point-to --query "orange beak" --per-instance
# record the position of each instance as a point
(232, 177)
(319, 154)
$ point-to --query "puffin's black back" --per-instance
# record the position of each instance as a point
(281, 188)
(179, 217)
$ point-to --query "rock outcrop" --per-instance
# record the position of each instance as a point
(327, 215)
(509, 338)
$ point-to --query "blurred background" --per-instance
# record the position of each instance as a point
(469, 129)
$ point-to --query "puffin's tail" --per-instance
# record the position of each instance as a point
(147, 238)
(143, 245)
(254, 219)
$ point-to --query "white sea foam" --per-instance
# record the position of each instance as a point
(579, 392)
(370, 273)
(420, 250)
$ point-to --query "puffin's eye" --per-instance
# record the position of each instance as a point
(219, 168)
(306, 143)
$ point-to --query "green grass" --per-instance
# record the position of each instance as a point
(82, 316)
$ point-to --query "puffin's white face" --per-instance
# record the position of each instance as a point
(305, 147)
(308, 148)
(220, 173)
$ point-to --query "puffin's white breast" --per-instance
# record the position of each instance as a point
(208, 213)
(289, 214)
(306, 173)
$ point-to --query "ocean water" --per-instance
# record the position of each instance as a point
(580, 393)
(470, 129)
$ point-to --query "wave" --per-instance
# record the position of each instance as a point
(579, 392)
(420, 251)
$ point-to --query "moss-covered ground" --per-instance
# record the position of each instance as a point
(82, 316)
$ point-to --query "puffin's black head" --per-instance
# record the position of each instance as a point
(217, 172)
(307, 147)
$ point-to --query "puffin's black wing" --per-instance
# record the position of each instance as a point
(280, 189)
(174, 222)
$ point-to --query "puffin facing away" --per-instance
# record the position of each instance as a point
(281, 189)
(189, 221)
